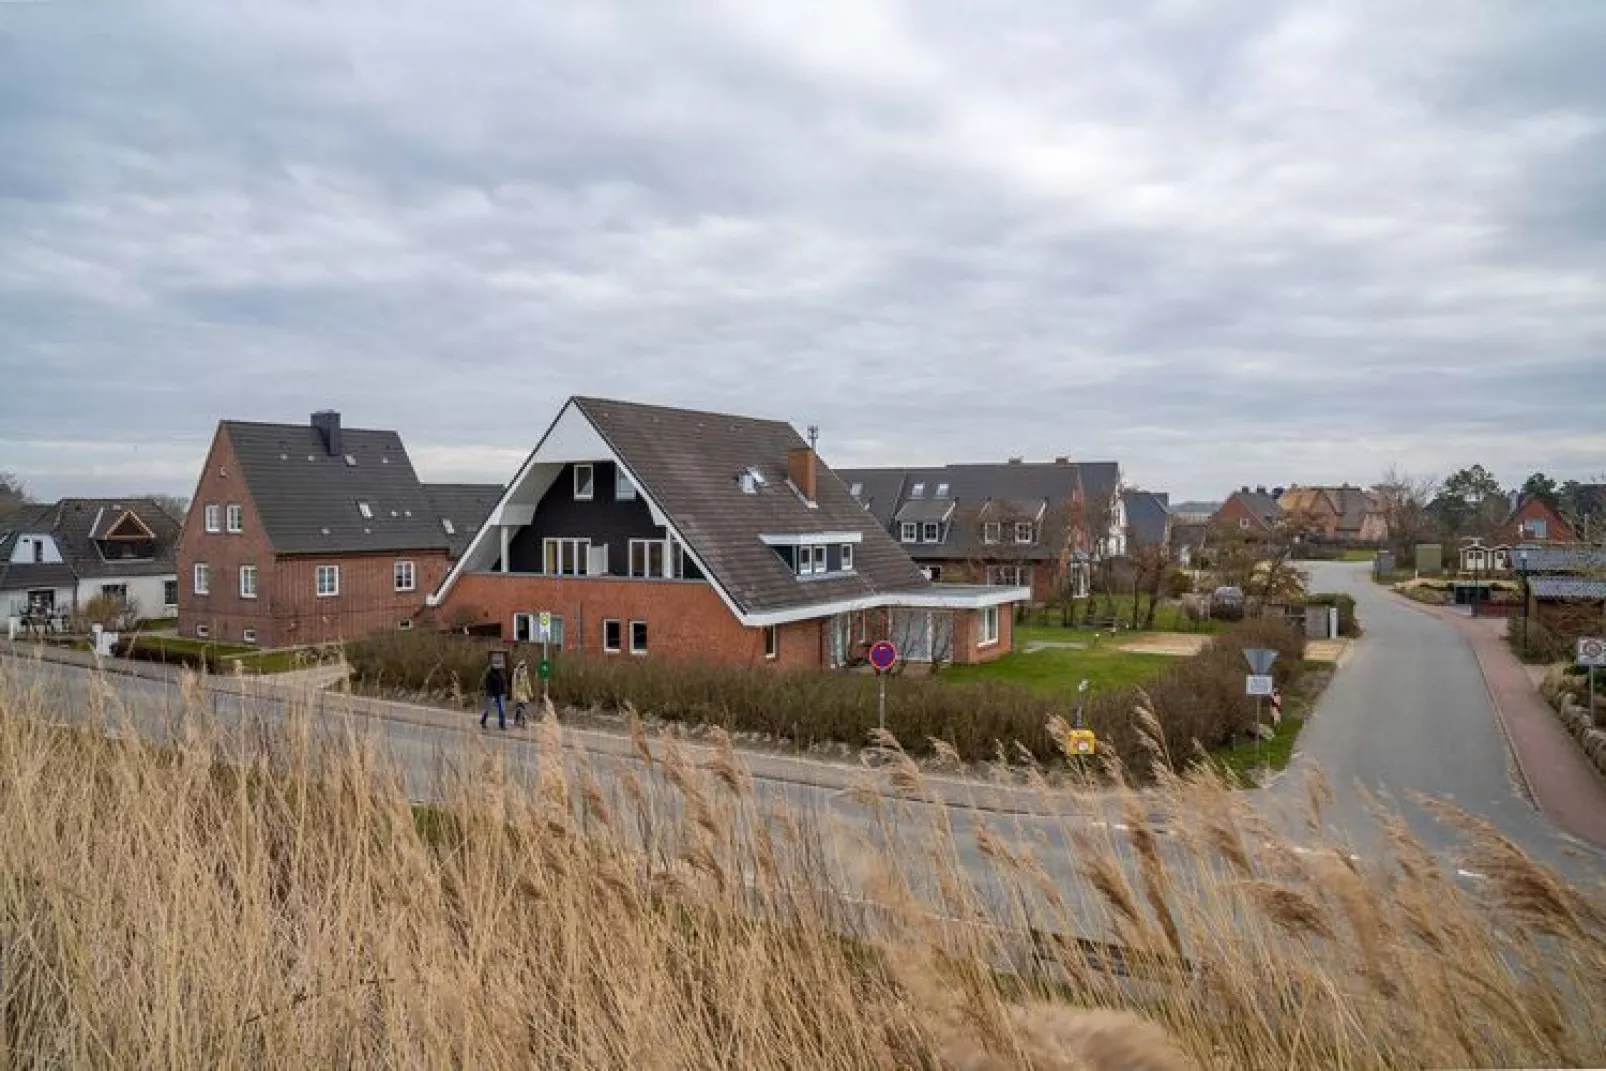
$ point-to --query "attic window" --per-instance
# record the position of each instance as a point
(751, 480)
(366, 510)
(942, 490)
(856, 490)
(917, 491)
(446, 523)
(351, 461)
(585, 485)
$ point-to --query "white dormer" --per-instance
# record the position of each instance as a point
(35, 549)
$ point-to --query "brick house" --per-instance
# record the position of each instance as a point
(668, 533)
(1343, 514)
(1253, 511)
(313, 533)
(1027, 524)
(1533, 520)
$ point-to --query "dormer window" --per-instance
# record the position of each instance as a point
(856, 490)
(917, 491)
(624, 489)
(1023, 531)
(585, 482)
(847, 557)
(932, 533)
(990, 532)
(366, 510)
(909, 532)
(942, 490)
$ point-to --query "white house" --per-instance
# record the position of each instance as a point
(55, 559)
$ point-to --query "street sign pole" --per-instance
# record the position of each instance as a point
(881, 700)
(883, 656)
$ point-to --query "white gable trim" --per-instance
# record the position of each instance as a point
(800, 539)
(570, 437)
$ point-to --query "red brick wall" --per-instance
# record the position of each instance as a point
(287, 610)
(685, 619)
(967, 627)
(964, 571)
(1233, 510)
(1557, 530)
(222, 610)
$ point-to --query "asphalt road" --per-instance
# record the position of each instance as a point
(1409, 715)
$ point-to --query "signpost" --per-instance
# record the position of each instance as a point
(544, 632)
(1260, 682)
(883, 656)
(1080, 740)
(1592, 655)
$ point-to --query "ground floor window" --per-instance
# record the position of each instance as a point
(612, 636)
(170, 593)
(1010, 576)
(931, 572)
(989, 625)
(772, 642)
(249, 635)
(527, 629)
(638, 637)
(118, 592)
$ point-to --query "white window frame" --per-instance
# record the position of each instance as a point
(1027, 527)
(201, 579)
(624, 488)
(847, 557)
(331, 571)
(772, 642)
(404, 625)
(909, 532)
(931, 532)
(248, 636)
(213, 513)
(1243, 523)
(618, 638)
(396, 571)
(234, 518)
(647, 572)
(677, 560)
(582, 555)
(641, 650)
(991, 531)
(203, 631)
(987, 627)
(805, 560)
(822, 563)
(591, 481)
(248, 581)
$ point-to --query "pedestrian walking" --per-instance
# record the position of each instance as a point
(495, 692)
(522, 695)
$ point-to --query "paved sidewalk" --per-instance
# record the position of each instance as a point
(1563, 785)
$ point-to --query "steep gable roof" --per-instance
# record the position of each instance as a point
(689, 463)
(78, 520)
(307, 497)
(1147, 517)
(31, 519)
(465, 506)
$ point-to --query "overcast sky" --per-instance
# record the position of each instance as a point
(1219, 242)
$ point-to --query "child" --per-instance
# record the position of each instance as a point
(521, 692)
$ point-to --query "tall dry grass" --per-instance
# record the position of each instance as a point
(268, 896)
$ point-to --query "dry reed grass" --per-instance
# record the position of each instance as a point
(268, 896)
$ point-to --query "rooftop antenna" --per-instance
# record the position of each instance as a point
(814, 435)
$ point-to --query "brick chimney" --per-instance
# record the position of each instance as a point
(801, 469)
(327, 421)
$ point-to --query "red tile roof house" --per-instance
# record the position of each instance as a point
(1253, 511)
(663, 533)
(1533, 520)
(313, 533)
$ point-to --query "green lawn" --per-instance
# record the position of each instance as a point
(1239, 762)
(251, 659)
(185, 645)
(1168, 617)
(1057, 671)
(1357, 555)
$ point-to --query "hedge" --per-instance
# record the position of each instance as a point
(1347, 623)
(1199, 698)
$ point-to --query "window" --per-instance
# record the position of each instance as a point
(201, 580)
(170, 593)
(989, 532)
(612, 640)
(624, 490)
(856, 490)
(527, 629)
(989, 626)
(214, 518)
(819, 559)
(38, 551)
(1243, 522)
(404, 625)
(116, 592)
(931, 572)
(585, 485)
(638, 637)
(402, 574)
(203, 631)
(366, 510)
(917, 491)
(909, 532)
(328, 581)
(1538, 528)
(248, 581)
(1010, 576)
(646, 557)
(772, 642)
(677, 560)
(931, 533)
(567, 557)
(847, 557)
(805, 561)
(446, 523)
(235, 517)
(1023, 531)
(942, 490)
(249, 635)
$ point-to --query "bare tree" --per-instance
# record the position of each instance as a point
(175, 506)
(1405, 500)
(13, 495)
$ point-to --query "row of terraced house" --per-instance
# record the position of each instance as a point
(641, 532)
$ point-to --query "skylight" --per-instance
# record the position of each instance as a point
(446, 523)
(366, 510)
(351, 461)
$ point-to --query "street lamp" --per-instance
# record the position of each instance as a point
(1527, 599)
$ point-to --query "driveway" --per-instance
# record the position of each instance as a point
(1410, 715)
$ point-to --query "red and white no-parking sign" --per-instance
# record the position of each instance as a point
(1592, 651)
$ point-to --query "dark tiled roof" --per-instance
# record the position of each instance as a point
(1261, 504)
(1146, 517)
(78, 518)
(924, 509)
(29, 520)
(1544, 558)
(1567, 587)
(1003, 492)
(466, 505)
(689, 463)
(307, 498)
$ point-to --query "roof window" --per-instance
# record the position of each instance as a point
(917, 491)
(751, 480)
(351, 461)
(446, 523)
(942, 490)
(856, 490)
(366, 510)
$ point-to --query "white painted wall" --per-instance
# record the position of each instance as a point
(144, 591)
(15, 603)
(22, 551)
